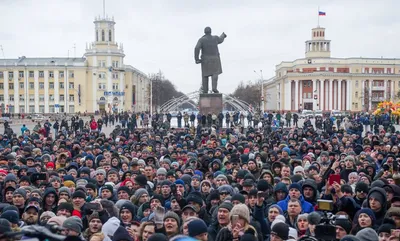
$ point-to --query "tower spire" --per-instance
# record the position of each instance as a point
(104, 9)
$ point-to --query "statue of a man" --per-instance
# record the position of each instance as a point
(210, 61)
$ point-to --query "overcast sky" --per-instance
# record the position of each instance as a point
(161, 34)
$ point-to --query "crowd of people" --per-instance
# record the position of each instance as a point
(262, 182)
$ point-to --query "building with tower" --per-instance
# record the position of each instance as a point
(321, 82)
(100, 81)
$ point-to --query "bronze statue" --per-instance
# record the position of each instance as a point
(210, 60)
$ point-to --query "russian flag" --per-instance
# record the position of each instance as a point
(321, 13)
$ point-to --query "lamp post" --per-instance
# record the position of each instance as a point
(262, 89)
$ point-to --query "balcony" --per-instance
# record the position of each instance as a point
(377, 99)
(378, 88)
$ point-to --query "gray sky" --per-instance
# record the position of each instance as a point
(161, 34)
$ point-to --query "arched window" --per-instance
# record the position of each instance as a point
(314, 34)
(97, 35)
(110, 36)
(103, 37)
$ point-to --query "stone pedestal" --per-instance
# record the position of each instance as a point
(210, 103)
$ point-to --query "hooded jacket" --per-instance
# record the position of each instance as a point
(310, 183)
(48, 191)
(381, 213)
(280, 187)
(306, 207)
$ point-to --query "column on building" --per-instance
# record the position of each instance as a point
(349, 94)
(322, 96)
(66, 93)
(330, 99)
(94, 85)
(16, 91)
(370, 95)
(46, 90)
(314, 92)
(392, 93)
(385, 96)
(6, 92)
(288, 96)
(296, 94)
(339, 94)
(301, 93)
(36, 86)
(121, 89)
(56, 90)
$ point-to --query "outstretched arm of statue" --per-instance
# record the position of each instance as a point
(222, 38)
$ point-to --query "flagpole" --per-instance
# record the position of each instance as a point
(318, 17)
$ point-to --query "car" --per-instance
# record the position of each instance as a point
(337, 113)
(5, 119)
(38, 117)
(307, 113)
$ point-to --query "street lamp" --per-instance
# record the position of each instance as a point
(262, 88)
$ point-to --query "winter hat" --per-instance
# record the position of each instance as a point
(242, 211)
(141, 180)
(197, 227)
(350, 158)
(281, 230)
(314, 218)
(10, 177)
(298, 169)
(158, 197)
(226, 188)
(367, 234)
(110, 226)
(226, 205)
(157, 237)
(79, 194)
(59, 220)
(161, 171)
(129, 206)
(362, 187)
(171, 214)
(295, 186)
(293, 234)
(195, 197)
(350, 238)
(47, 214)
(94, 215)
(238, 197)
(74, 223)
(121, 234)
(125, 189)
(286, 149)
(66, 205)
(66, 190)
(20, 191)
(222, 176)
(11, 215)
(248, 237)
(376, 194)
(344, 223)
(5, 225)
(263, 185)
(277, 207)
(387, 226)
(138, 193)
(369, 212)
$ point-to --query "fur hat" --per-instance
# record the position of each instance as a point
(242, 211)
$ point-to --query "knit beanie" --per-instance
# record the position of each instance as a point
(79, 194)
(281, 230)
(47, 214)
(226, 205)
(141, 180)
(66, 190)
(263, 185)
(138, 193)
(197, 227)
(128, 206)
(121, 234)
(277, 207)
(74, 223)
(387, 226)
(238, 197)
(314, 218)
(11, 215)
(298, 169)
(195, 197)
(171, 214)
(59, 220)
(66, 205)
(295, 186)
(362, 187)
(350, 238)
(157, 237)
(367, 234)
(94, 215)
(344, 223)
(242, 211)
(69, 184)
(369, 212)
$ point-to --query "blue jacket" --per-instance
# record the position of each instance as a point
(306, 207)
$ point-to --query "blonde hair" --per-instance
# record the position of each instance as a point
(100, 235)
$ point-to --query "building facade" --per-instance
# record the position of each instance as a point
(320, 82)
(100, 81)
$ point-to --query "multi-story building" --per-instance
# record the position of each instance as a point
(100, 81)
(320, 82)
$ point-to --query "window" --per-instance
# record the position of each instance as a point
(61, 85)
(71, 98)
(31, 109)
(31, 98)
(115, 87)
(71, 74)
(31, 74)
(1, 86)
(1, 75)
(356, 94)
(51, 108)
(61, 74)
(51, 97)
(21, 85)
(21, 109)
(115, 75)
(11, 86)
(102, 86)
(61, 97)
(356, 83)
(309, 95)
(109, 35)
(115, 64)
(102, 63)
(41, 98)
(10, 75)
(21, 74)
(97, 35)
(356, 105)
(51, 85)
(71, 109)
(309, 83)
(41, 74)
(103, 37)
(41, 109)
(31, 85)
(51, 74)
(11, 97)
(41, 85)
(21, 97)
(102, 75)
(1, 97)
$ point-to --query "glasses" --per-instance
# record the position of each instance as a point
(223, 193)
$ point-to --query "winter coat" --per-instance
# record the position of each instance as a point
(306, 207)
(380, 215)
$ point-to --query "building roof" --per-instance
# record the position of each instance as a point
(53, 61)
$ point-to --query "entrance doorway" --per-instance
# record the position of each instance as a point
(308, 106)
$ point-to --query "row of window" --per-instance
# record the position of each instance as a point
(52, 109)
(41, 85)
(102, 86)
(102, 64)
(103, 35)
(41, 98)
(102, 75)
(31, 74)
